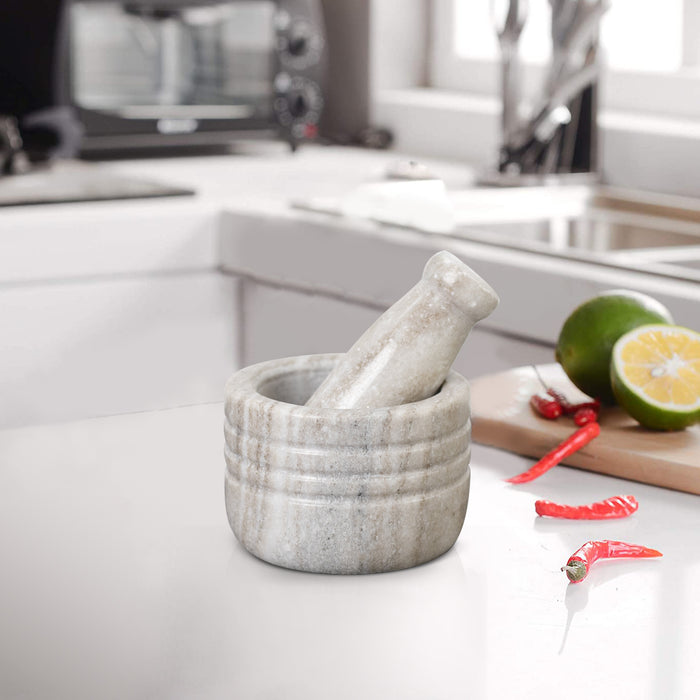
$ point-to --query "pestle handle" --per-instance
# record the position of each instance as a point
(407, 352)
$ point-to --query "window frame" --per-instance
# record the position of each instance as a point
(642, 151)
(666, 94)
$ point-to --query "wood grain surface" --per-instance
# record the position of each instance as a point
(502, 417)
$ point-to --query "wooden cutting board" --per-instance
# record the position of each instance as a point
(502, 417)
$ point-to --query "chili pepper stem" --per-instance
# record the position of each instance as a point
(575, 571)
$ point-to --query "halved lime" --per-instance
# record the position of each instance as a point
(655, 374)
(586, 339)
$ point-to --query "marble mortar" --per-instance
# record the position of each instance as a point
(343, 491)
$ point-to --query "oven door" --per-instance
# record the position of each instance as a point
(147, 71)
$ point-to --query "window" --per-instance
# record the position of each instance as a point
(650, 50)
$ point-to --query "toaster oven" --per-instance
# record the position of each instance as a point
(153, 73)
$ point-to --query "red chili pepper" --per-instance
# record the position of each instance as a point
(547, 408)
(566, 406)
(615, 507)
(581, 560)
(573, 443)
(571, 408)
(585, 415)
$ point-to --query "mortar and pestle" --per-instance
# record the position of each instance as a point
(359, 463)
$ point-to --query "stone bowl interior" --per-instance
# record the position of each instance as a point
(293, 387)
(296, 386)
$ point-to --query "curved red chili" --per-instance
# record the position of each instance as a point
(565, 449)
(615, 507)
(580, 562)
(547, 408)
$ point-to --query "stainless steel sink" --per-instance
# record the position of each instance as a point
(690, 264)
(609, 226)
(594, 231)
(657, 233)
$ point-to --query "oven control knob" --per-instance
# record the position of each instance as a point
(298, 43)
(298, 104)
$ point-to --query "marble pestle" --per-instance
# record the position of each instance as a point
(406, 353)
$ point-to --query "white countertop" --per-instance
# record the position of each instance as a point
(58, 242)
(241, 221)
(121, 579)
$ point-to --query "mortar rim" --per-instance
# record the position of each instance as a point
(244, 384)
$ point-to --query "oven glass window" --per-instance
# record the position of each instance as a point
(156, 60)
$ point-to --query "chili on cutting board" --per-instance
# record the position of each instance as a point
(565, 449)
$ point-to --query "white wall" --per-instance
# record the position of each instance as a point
(398, 43)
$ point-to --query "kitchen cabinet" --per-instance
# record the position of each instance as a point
(280, 322)
(110, 345)
(112, 307)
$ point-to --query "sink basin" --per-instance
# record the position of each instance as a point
(592, 223)
(598, 224)
(593, 231)
(691, 264)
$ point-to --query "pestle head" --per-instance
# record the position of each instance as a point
(405, 355)
(465, 288)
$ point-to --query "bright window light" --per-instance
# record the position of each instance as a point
(640, 35)
(644, 35)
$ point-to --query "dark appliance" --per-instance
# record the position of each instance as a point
(144, 74)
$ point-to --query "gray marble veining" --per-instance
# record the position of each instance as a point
(407, 352)
(344, 491)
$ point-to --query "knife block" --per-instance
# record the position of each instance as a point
(343, 491)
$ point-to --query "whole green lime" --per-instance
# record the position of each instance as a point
(586, 339)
